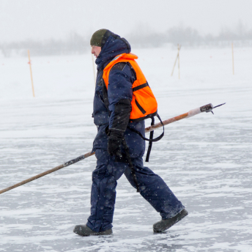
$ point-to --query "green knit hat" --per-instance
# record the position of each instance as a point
(98, 38)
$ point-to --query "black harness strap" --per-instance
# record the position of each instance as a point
(151, 139)
(140, 86)
(150, 142)
(147, 139)
(140, 107)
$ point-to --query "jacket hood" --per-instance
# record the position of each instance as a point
(114, 46)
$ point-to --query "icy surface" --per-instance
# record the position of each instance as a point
(205, 160)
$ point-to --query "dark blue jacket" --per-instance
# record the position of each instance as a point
(112, 107)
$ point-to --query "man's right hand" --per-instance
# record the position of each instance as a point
(115, 141)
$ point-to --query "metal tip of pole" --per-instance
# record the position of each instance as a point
(209, 108)
(219, 105)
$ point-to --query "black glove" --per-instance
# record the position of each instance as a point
(115, 141)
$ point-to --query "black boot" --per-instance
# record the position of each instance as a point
(84, 230)
(163, 225)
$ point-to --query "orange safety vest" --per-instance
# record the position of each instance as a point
(144, 103)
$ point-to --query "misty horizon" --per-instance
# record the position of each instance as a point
(183, 35)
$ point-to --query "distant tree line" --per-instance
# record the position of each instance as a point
(75, 44)
(187, 36)
(141, 37)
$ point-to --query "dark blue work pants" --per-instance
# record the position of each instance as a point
(105, 176)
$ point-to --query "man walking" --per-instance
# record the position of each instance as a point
(118, 146)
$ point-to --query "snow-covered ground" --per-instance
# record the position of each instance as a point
(205, 160)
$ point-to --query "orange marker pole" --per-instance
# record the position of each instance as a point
(177, 59)
(174, 65)
(178, 62)
(31, 73)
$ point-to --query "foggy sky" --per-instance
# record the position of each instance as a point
(45, 19)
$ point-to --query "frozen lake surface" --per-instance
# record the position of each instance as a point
(205, 160)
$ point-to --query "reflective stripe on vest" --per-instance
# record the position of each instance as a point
(143, 102)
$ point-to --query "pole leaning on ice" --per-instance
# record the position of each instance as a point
(206, 108)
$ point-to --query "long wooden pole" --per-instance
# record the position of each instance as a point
(205, 108)
(48, 172)
(31, 73)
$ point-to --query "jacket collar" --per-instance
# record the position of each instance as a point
(112, 48)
